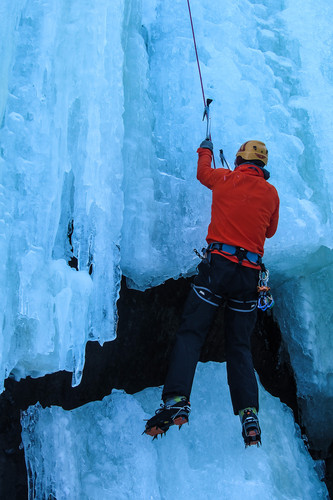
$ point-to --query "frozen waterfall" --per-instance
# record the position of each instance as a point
(100, 112)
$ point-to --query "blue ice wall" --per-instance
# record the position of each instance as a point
(97, 451)
(101, 107)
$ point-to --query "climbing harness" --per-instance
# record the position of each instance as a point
(265, 299)
(243, 306)
(207, 295)
(208, 101)
(223, 248)
(240, 253)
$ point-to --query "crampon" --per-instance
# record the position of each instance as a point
(166, 416)
(251, 431)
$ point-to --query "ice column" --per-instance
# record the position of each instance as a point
(305, 296)
(62, 169)
(163, 220)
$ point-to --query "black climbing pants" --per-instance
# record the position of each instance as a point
(218, 280)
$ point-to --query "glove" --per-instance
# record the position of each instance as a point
(207, 144)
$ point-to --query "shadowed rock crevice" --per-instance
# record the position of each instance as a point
(136, 359)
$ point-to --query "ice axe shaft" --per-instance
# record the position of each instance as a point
(207, 115)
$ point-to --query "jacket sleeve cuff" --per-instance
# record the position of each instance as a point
(203, 150)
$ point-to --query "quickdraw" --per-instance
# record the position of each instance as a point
(265, 299)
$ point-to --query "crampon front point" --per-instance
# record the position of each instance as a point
(166, 416)
(251, 431)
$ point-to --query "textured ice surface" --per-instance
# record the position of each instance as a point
(61, 169)
(251, 63)
(101, 108)
(98, 452)
(304, 307)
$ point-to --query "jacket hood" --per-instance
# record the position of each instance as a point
(251, 169)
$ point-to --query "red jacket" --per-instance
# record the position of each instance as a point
(245, 207)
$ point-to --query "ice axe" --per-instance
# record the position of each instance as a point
(208, 135)
(224, 160)
(206, 115)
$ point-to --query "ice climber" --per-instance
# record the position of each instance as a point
(245, 211)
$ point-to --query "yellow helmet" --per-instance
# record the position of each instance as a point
(253, 150)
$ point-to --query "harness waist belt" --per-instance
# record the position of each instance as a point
(239, 252)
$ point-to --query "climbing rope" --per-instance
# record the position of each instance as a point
(196, 52)
(206, 105)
